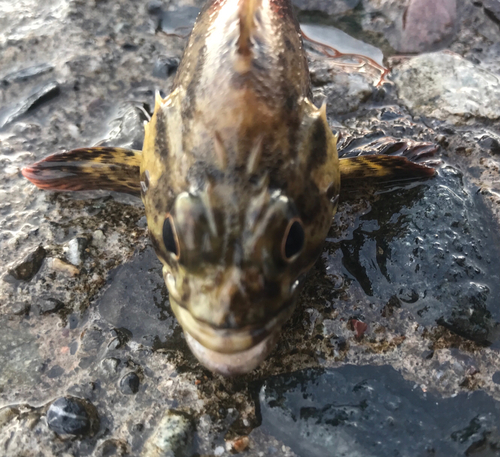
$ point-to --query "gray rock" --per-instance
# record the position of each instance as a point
(492, 8)
(428, 25)
(448, 87)
(72, 416)
(172, 437)
(326, 6)
(29, 266)
(362, 411)
(39, 96)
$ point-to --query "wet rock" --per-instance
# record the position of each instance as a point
(128, 127)
(40, 96)
(428, 25)
(75, 250)
(179, 21)
(326, 6)
(165, 66)
(27, 73)
(372, 411)
(72, 416)
(429, 237)
(137, 300)
(129, 384)
(172, 437)
(448, 87)
(29, 266)
(49, 305)
(492, 9)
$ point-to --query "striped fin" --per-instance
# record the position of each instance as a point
(98, 168)
(375, 169)
(248, 9)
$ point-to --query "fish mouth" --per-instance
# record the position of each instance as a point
(230, 351)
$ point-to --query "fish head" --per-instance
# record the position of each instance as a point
(237, 237)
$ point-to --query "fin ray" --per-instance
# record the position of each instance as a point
(97, 168)
(375, 169)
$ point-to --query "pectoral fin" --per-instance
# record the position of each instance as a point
(95, 168)
(366, 170)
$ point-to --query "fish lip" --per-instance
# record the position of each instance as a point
(229, 341)
(232, 364)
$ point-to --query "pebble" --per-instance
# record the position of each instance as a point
(72, 416)
(63, 267)
(75, 249)
(98, 238)
(7, 414)
(129, 384)
(29, 266)
(49, 305)
(172, 436)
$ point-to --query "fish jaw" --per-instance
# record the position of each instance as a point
(230, 352)
(234, 364)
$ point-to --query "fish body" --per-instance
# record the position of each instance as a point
(238, 172)
(240, 179)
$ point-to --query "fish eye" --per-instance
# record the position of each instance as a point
(293, 240)
(170, 238)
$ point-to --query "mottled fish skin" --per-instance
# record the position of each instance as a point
(239, 178)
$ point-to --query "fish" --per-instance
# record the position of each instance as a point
(240, 178)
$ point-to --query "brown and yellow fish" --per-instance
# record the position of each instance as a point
(240, 177)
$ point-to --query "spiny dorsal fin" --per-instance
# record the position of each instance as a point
(88, 169)
(248, 10)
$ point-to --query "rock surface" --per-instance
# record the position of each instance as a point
(448, 87)
(404, 296)
(373, 411)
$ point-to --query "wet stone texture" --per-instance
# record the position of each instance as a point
(394, 346)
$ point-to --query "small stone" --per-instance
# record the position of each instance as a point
(75, 249)
(239, 444)
(72, 416)
(129, 384)
(98, 238)
(110, 365)
(29, 266)
(17, 308)
(496, 377)
(113, 448)
(63, 267)
(172, 436)
(49, 305)
(7, 414)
